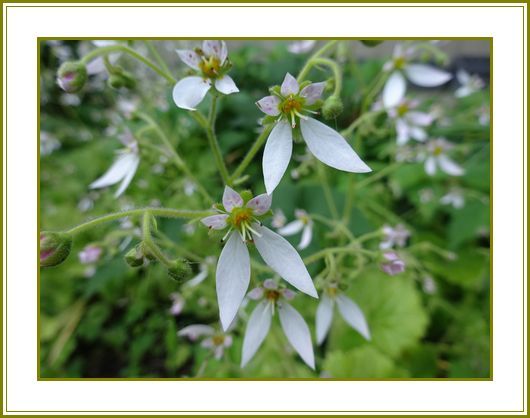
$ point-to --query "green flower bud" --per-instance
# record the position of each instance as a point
(332, 107)
(135, 257)
(54, 248)
(121, 79)
(72, 76)
(370, 42)
(179, 270)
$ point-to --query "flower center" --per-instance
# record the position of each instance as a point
(332, 291)
(291, 104)
(399, 63)
(210, 67)
(402, 109)
(437, 150)
(272, 295)
(218, 339)
(241, 216)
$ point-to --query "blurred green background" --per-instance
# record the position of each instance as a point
(109, 320)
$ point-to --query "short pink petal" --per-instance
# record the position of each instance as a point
(269, 105)
(231, 199)
(312, 92)
(289, 85)
(260, 204)
(215, 221)
(189, 57)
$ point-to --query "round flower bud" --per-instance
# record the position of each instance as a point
(54, 248)
(121, 79)
(332, 107)
(72, 76)
(179, 270)
(370, 42)
(135, 256)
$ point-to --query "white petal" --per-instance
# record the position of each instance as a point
(215, 221)
(226, 85)
(419, 118)
(95, 66)
(403, 132)
(394, 90)
(100, 43)
(195, 331)
(353, 315)
(190, 91)
(426, 75)
(307, 236)
(232, 278)
(269, 105)
(331, 148)
(324, 317)
(189, 57)
(462, 76)
(291, 228)
(277, 155)
(257, 329)
(198, 279)
(231, 199)
(260, 204)
(283, 259)
(430, 166)
(117, 171)
(289, 85)
(135, 160)
(301, 47)
(297, 332)
(215, 48)
(449, 166)
(463, 91)
(312, 92)
(418, 133)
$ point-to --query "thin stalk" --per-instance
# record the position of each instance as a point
(378, 176)
(252, 152)
(327, 191)
(309, 64)
(357, 122)
(374, 90)
(157, 56)
(337, 74)
(148, 240)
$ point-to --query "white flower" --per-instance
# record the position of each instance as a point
(400, 67)
(97, 65)
(217, 342)
(436, 157)
(124, 167)
(429, 285)
(90, 254)
(348, 309)
(455, 198)
(278, 219)
(302, 223)
(48, 143)
(409, 123)
(396, 236)
(484, 116)
(211, 65)
(177, 304)
(301, 47)
(233, 267)
(469, 84)
(289, 105)
(293, 324)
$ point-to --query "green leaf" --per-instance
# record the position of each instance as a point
(360, 363)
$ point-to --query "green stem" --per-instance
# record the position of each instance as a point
(309, 64)
(327, 191)
(374, 90)
(157, 56)
(252, 152)
(377, 176)
(148, 240)
(125, 49)
(337, 73)
(357, 122)
(348, 202)
(160, 212)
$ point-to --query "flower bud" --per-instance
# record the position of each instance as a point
(332, 107)
(54, 248)
(179, 270)
(72, 76)
(370, 42)
(135, 257)
(393, 264)
(121, 79)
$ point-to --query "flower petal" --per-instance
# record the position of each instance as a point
(402, 131)
(430, 166)
(190, 91)
(297, 332)
(195, 331)
(269, 105)
(353, 315)
(258, 326)
(418, 133)
(307, 236)
(312, 92)
(291, 228)
(323, 318)
(449, 166)
(226, 85)
(260, 204)
(215, 48)
(277, 155)
(215, 221)
(231, 199)
(394, 90)
(232, 278)
(289, 85)
(135, 161)
(426, 75)
(419, 118)
(189, 57)
(117, 171)
(329, 147)
(198, 279)
(283, 259)
(300, 47)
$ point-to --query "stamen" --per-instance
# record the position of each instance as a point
(293, 122)
(297, 113)
(228, 233)
(252, 230)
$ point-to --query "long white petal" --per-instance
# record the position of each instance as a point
(418, 133)
(402, 131)
(195, 331)
(117, 171)
(277, 155)
(226, 85)
(258, 327)
(283, 259)
(232, 278)
(297, 332)
(449, 166)
(426, 75)
(329, 147)
(394, 90)
(231, 199)
(420, 118)
(430, 166)
(190, 91)
(260, 204)
(353, 315)
(324, 317)
(291, 228)
(135, 160)
(307, 236)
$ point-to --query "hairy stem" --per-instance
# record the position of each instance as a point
(252, 152)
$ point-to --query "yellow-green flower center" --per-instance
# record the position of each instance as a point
(240, 216)
(210, 67)
(272, 295)
(218, 339)
(437, 150)
(291, 104)
(402, 109)
(399, 63)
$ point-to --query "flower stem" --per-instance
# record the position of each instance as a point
(327, 191)
(157, 56)
(360, 120)
(160, 212)
(377, 176)
(252, 152)
(337, 73)
(374, 90)
(309, 64)
(148, 240)
(125, 49)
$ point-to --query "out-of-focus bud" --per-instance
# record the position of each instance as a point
(332, 107)
(72, 76)
(135, 257)
(179, 270)
(246, 195)
(393, 264)
(54, 248)
(119, 78)
(370, 42)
